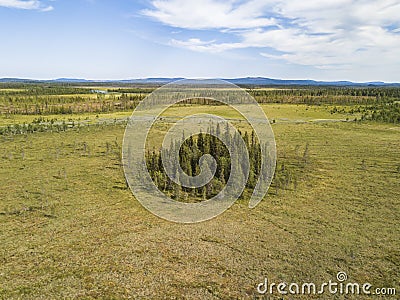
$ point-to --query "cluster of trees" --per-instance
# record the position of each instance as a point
(192, 149)
(67, 104)
(286, 175)
(376, 92)
(53, 125)
(327, 95)
(380, 112)
(140, 91)
(389, 113)
(11, 89)
(36, 127)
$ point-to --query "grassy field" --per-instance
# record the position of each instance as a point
(70, 228)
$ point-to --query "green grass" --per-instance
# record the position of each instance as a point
(92, 118)
(69, 227)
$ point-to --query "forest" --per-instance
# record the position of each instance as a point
(380, 104)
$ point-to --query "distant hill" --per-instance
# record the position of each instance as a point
(70, 80)
(5, 80)
(249, 81)
(268, 81)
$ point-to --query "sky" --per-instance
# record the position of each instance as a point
(357, 40)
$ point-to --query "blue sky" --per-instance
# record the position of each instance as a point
(356, 40)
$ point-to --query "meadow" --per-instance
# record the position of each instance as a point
(71, 229)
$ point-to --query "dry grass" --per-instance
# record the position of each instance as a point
(70, 229)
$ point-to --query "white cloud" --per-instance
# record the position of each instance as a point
(326, 34)
(206, 46)
(209, 14)
(48, 8)
(29, 5)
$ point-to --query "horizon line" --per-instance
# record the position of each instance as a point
(77, 79)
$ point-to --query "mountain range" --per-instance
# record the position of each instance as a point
(255, 81)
